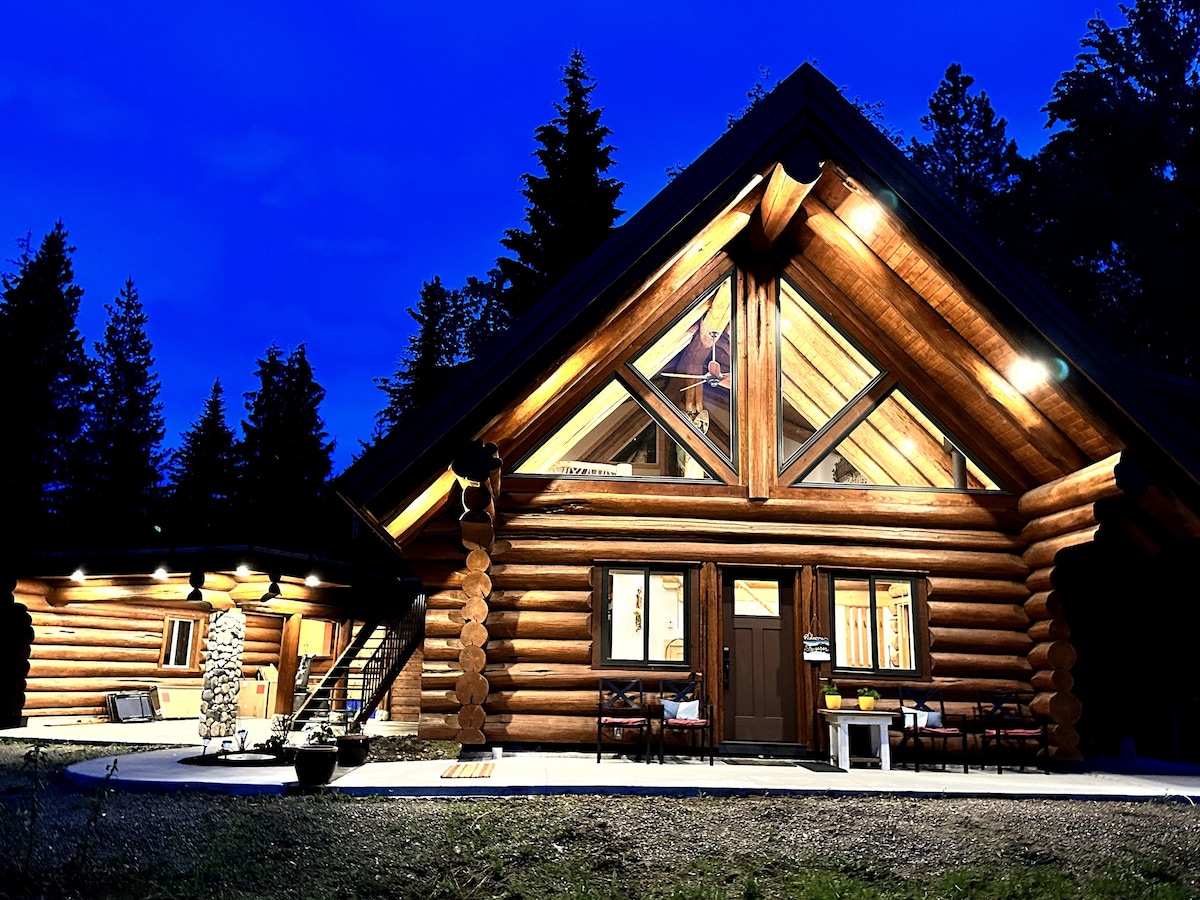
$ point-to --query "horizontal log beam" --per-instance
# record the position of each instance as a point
(1061, 708)
(661, 528)
(1053, 681)
(539, 651)
(1043, 553)
(1050, 630)
(541, 601)
(943, 562)
(1002, 616)
(1042, 606)
(1062, 522)
(824, 506)
(1088, 484)
(1052, 655)
(980, 664)
(93, 654)
(980, 640)
(977, 590)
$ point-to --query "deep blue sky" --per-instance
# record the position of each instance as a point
(294, 172)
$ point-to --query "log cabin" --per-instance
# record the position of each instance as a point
(798, 392)
(319, 631)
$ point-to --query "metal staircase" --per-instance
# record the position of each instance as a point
(362, 676)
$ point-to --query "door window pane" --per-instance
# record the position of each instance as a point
(755, 598)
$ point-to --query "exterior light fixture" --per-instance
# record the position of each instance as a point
(312, 580)
(242, 571)
(865, 217)
(1027, 374)
(78, 576)
(160, 574)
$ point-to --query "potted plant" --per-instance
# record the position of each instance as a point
(867, 697)
(833, 697)
(317, 759)
(352, 746)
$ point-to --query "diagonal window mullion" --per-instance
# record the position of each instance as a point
(839, 427)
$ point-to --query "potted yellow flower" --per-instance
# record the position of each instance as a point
(867, 698)
(833, 697)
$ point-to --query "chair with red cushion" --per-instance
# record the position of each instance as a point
(923, 717)
(622, 707)
(1004, 717)
(685, 709)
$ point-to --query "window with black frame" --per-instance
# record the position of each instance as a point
(874, 622)
(644, 616)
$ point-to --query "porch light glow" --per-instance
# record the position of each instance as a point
(78, 576)
(242, 571)
(160, 574)
(1026, 374)
(312, 580)
(864, 219)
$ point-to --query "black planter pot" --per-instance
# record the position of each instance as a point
(315, 765)
(352, 749)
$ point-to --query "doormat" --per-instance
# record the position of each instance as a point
(470, 770)
(814, 766)
(761, 762)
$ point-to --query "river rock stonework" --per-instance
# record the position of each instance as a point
(222, 674)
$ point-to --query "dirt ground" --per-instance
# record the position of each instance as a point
(188, 844)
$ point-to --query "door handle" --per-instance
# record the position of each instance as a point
(725, 666)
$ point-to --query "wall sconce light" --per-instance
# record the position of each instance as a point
(312, 580)
(79, 576)
(160, 574)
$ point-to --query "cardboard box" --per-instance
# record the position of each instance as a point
(179, 702)
(256, 699)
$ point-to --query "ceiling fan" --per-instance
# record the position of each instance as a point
(713, 377)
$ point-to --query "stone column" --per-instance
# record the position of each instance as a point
(222, 674)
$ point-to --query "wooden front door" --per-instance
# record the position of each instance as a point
(759, 651)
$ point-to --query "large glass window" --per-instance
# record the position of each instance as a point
(874, 622)
(645, 616)
(897, 445)
(691, 365)
(820, 371)
(612, 436)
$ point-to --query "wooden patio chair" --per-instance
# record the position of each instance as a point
(685, 708)
(1004, 716)
(923, 717)
(622, 706)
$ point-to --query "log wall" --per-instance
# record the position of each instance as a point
(92, 640)
(542, 682)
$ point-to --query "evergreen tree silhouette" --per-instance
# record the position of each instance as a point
(572, 206)
(45, 374)
(126, 428)
(203, 473)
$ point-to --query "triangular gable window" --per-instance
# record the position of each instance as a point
(691, 366)
(898, 445)
(612, 436)
(820, 372)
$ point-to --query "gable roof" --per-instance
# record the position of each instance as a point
(800, 124)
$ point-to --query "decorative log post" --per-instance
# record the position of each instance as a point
(478, 470)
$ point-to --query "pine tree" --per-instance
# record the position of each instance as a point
(436, 345)
(45, 373)
(572, 207)
(126, 428)
(204, 477)
(286, 456)
(968, 154)
(1117, 189)
(487, 315)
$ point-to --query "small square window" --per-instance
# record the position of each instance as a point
(317, 637)
(179, 637)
